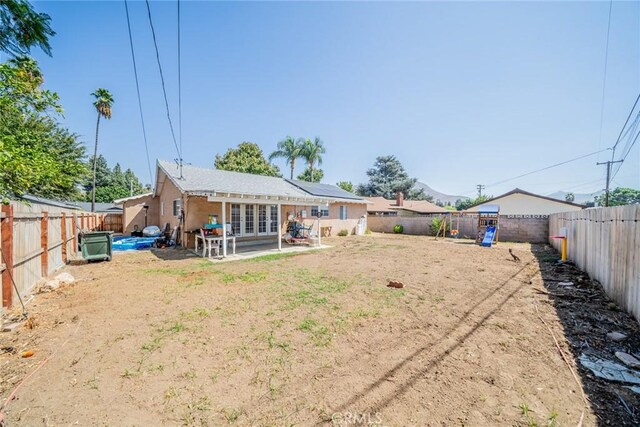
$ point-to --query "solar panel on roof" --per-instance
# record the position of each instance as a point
(323, 190)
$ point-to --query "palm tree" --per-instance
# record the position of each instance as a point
(312, 152)
(103, 101)
(288, 149)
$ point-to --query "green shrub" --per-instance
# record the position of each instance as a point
(343, 233)
(398, 228)
(436, 223)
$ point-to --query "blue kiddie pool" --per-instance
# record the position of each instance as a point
(126, 243)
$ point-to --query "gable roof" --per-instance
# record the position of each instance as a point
(199, 180)
(380, 204)
(526, 193)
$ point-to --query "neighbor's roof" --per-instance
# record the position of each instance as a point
(49, 202)
(380, 204)
(126, 199)
(526, 193)
(100, 207)
(205, 180)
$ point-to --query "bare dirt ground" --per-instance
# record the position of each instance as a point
(311, 339)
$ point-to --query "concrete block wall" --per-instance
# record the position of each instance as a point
(532, 229)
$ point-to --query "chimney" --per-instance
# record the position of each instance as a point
(399, 198)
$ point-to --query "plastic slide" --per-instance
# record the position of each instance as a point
(488, 237)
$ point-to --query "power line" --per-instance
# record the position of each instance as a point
(626, 154)
(547, 167)
(604, 76)
(179, 84)
(135, 73)
(164, 89)
(626, 122)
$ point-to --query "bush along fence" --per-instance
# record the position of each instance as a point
(605, 243)
(513, 228)
(36, 240)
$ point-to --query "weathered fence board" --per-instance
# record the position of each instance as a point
(605, 243)
(36, 241)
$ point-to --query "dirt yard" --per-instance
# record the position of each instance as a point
(313, 338)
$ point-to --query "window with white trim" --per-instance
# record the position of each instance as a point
(324, 210)
(177, 207)
(343, 212)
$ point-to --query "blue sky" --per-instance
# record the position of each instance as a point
(462, 93)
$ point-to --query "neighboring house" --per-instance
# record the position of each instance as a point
(257, 207)
(522, 203)
(105, 208)
(380, 206)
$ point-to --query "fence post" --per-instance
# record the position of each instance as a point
(7, 256)
(82, 221)
(44, 243)
(74, 226)
(63, 233)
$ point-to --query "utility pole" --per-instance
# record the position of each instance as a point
(131, 187)
(480, 187)
(606, 191)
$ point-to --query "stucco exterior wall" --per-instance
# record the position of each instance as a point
(165, 199)
(332, 222)
(133, 213)
(523, 204)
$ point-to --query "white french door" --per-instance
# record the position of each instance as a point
(252, 220)
(267, 220)
(274, 226)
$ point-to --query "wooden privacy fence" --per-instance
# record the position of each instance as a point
(605, 243)
(36, 240)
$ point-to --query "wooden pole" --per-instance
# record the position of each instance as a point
(44, 243)
(7, 256)
(82, 221)
(63, 232)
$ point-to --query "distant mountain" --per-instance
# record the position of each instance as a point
(444, 198)
(580, 198)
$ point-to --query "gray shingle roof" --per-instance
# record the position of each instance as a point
(204, 180)
(198, 179)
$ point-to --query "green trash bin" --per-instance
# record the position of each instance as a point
(97, 245)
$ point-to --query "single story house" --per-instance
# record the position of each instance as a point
(380, 206)
(256, 207)
(523, 203)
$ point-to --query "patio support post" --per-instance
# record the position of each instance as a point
(224, 229)
(279, 226)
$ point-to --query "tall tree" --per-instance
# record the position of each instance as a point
(467, 203)
(346, 186)
(311, 176)
(290, 150)
(112, 184)
(387, 178)
(103, 100)
(312, 152)
(247, 158)
(620, 196)
(37, 154)
(22, 28)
